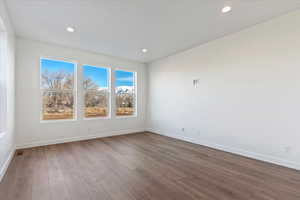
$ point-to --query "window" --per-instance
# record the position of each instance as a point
(125, 90)
(58, 89)
(3, 83)
(96, 92)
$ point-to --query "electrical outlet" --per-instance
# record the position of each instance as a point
(196, 83)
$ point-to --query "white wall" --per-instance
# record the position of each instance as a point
(248, 100)
(7, 140)
(31, 132)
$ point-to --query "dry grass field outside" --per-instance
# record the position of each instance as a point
(57, 116)
(91, 112)
(124, 111)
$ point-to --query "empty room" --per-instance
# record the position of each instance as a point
(149, 100)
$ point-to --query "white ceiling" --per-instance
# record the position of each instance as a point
(123, 27)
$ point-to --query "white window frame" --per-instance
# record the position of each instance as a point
(3, 78)
(109, 81)
(75, 90)
(135, 92)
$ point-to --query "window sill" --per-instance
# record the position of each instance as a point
(124, 117)
(96, 118)
(57, 121)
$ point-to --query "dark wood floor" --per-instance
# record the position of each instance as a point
(143, 167)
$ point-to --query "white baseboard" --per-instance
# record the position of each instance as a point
(79, 138)
(4, 168)
(257, 156)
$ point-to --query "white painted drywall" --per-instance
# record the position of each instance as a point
(7, 141)
(30, 132)
(248, 99)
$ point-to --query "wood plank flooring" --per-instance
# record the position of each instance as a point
(143, 166)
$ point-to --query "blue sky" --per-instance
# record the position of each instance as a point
(54, 66)
(124, 78)
(97, 74)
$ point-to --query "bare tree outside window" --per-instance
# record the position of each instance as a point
(96, 86)
(57, 88)
(125, 93)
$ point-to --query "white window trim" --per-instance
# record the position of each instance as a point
(109, 69)
(75, 90)
(135, 115)
(96, 118)
(127, 116)
(4, 63)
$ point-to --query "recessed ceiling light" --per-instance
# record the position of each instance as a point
(226, 9)
(144, 50)
(71, 29)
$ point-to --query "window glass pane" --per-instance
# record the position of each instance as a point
(96, 103)
(57, 89)
(57, 74)
(58, 105)
(125, 93)
(96, 87)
